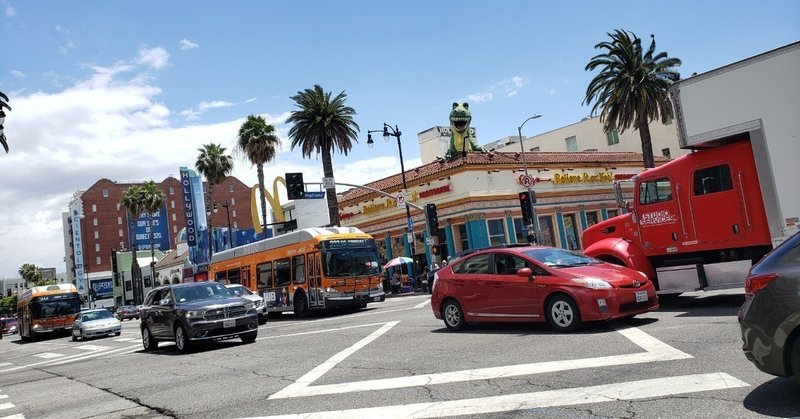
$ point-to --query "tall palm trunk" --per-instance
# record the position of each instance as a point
(333, 205)
(210, 214)
(260, 171)
(647, 143)
(152, 246)
(136, 273)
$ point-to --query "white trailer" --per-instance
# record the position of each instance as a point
(759, 96)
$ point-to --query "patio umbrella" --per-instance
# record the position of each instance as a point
(397, 261)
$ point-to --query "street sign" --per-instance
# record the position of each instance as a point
(527, 181)
(401, 199)
(315, 195)
(410, 223)
(410, 238)
(328, 183)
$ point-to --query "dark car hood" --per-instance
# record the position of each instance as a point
(212, 303)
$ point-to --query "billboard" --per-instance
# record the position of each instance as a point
(195, 215)
(75, 211)
(145, 227)
(103, 288)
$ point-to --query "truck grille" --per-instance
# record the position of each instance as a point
(225, 313)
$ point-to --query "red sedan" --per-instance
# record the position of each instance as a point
(536, 284)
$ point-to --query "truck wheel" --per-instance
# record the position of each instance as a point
(148, 342)
(182, 339)
(794, 359)
(563, 313)
(453, 316)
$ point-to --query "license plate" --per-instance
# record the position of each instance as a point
(232, 322)
(376, 298)
(641, 296)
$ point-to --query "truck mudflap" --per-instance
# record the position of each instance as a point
(616, 249)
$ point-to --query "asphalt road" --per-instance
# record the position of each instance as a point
(395, 359)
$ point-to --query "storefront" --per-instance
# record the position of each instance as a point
(478, 205)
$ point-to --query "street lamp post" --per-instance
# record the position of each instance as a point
(210, 234)
(388, 131)
(228, 212)
(535, 225)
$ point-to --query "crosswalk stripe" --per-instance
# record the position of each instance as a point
(3, 364)
(17, 416)
(48, 355)
(3, 396)
(4, 406)
(93, 347)
(127, 340)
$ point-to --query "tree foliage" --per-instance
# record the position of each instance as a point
(215, 165)
(32, 275)
(3, 104)
(257, 141)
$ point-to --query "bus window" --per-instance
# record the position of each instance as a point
(349, 262)
(233, 277)
(283, 274)
(220, 277)
(299, 269)
(264, 275)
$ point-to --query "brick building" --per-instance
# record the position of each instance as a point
(103, 222)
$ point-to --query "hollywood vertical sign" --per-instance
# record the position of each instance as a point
(188, 208)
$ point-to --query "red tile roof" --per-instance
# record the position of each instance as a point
(458, 164)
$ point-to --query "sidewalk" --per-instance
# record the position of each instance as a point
(405, 294)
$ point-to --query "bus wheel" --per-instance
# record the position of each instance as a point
(300, 306)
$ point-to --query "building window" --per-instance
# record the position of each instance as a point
(174, 229)
(612, 137)
(234, 213)
(665, 152)
(171, 190)
(519, 231)
(105, 193)
(96, 234)
(172, 204)
(572, 143)
(119, 220)
(98, 261)
(546, 231)
(611, 213)
(120, 232)
(230, 188)
(592, 218)
(94, 207)
(173, 217)
(462, 236)
(234, 225)
(118, 206)
(571, 231)
(497, 233)
(233, 201)
(94, 221)
(97, 247)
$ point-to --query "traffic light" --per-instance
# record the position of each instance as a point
(295, 188)
(433, 219)
(526, 205)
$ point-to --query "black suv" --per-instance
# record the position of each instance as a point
(196, 312)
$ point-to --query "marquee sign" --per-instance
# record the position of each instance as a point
(605, 177)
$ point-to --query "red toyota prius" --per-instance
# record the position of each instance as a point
(537, 284)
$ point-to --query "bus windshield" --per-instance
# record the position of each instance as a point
(351, 262)
(43, 308)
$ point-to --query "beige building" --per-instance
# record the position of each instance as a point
(588, 135)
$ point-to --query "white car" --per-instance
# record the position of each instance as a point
(244, 292)
(96, 322)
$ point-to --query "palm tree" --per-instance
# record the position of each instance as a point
(632, 87)
(215, 165)
(3, 104)
(320, 126)
(152, 200)
(257, 141)
(132, 200)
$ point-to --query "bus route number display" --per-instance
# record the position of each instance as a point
(346, 243)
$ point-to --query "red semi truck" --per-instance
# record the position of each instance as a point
(700, 221)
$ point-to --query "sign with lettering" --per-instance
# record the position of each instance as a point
(562, 179)
(657, 218)
(156, 227)
(76, 211)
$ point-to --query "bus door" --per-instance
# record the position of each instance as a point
(315, 298)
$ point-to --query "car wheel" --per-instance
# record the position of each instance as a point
(262, 320)
(794, 359)
(117, 333)
(74, 338)
(83, 335)
(148, 342)
(563, 313)
(182, 339)
(300, 306)
(249, 338)
(453, 316)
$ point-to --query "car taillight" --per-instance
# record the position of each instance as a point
(754, 283)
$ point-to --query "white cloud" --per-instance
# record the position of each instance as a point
(17, 74)
(62, 30)
(10, 11)
(113, 124)
(202, 107)
(187, 44)
(510, 87)
(153, 57)
(480, 97)
(66, 48)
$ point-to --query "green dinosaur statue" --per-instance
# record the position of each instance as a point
(461, 135)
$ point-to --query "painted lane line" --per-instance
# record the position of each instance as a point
(5, 364)
(4, 406)
(655, 351)
(422, 304)
(631, 390)
(303, 382)
(93, 347)
(311, 322)
(312, 332)
(17, 416)
(59, 361)
(3, 396)
(48, 355)
(92, 355)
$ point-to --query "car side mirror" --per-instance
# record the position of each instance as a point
(525, 273)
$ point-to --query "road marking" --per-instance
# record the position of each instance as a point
(631, 390)
(304, 381)
(66, 359)
(313, 332)
(3, 364)
(48, 355)
(422, 304)
(655, 351)
(91, 355)
(5, 406)
(17, 416)
(128, 340)
(3, 396)
(93, 347)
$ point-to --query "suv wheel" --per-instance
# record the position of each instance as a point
(148, 342)
(563, 313)
(249, 338)
(182, 339)
(453, 316)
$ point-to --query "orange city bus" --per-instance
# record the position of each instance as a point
(308, 269)
(47, 310)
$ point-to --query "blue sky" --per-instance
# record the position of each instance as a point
(130, 90)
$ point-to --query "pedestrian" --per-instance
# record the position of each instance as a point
(396, 282)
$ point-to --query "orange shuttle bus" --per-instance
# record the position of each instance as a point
(47, 310)
(308, 269)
